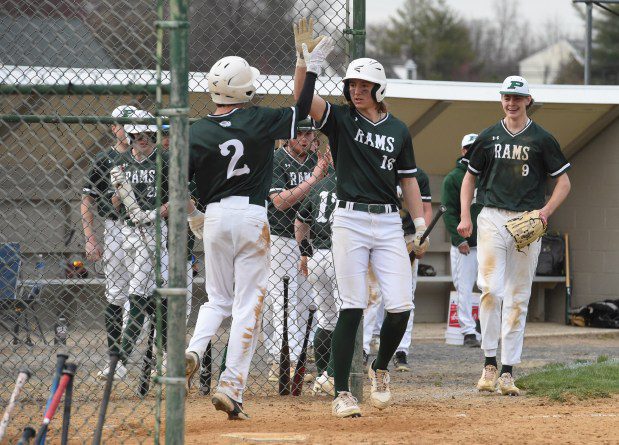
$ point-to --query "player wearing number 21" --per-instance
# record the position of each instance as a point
(373, 153)
(231, 162)
(512, 159)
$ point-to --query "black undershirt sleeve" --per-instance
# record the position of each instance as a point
(304, 104)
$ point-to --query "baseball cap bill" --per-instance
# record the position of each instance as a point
(468, 140)
(124, 111)
(516, 85)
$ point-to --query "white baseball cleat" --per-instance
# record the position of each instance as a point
(380, 394)
(345, 405)
(192, 364)
(324, 385)
(507, 385)
(119, 373)
(487, 381)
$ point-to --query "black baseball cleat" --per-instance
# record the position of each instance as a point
(400, 362)
(471, 341)
(234, 409)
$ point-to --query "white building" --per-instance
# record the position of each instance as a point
(544, 65)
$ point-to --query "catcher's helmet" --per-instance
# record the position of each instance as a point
(231, 81)
(370, 70)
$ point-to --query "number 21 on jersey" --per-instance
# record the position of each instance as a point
(224, 149)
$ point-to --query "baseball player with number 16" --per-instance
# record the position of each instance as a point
(512, 159)
(372, 152)
(231, 161)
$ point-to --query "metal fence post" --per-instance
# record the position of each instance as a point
(177, 222)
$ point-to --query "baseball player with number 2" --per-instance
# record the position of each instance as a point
(231, 161)
(372, 152)
(512, 159)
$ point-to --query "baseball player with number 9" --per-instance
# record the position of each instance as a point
(231, 161)
(372, 152)
(512, 159)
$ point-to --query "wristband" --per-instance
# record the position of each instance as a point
(306, 248)
(420, 224)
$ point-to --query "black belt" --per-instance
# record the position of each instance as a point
(369, 208)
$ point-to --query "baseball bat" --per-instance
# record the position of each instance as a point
(206, 373)
(70, 369)
(284, 352)
(147, 364)
(107, 391)
(49, 413)
(442, 209)
(568, 281)
(22, 378)
(27, 434)
(224, 356)
(299, 372)
(60, 362)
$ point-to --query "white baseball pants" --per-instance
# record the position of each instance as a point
(361, 237)
(505, 278)
(285, 257)
(375, 314)
(464, 274)
(322, 278)
(140, 248)
(117, 275)
(236, 245)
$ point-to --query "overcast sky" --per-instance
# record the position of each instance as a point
(538, 12)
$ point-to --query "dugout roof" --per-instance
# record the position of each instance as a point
(438, 114)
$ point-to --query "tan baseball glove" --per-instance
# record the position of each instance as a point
(526, 228)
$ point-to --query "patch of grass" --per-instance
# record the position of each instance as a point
(579, 380)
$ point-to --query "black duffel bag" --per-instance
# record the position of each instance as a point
(552, 256)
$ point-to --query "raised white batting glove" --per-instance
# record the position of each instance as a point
(315, 60)
(418, 247)
(303, 32)
(141, 217)
(196, 222)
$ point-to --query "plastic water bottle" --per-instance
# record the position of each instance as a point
(61, 331)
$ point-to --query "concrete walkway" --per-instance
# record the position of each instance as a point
(436, 331)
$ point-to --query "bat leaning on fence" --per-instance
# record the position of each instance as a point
(299, 372)
(147, 364)
(206, 372)
(71, 369)
(442, 209)
(22, 378)
(107, 391)
(61, 359)
(284, 353)
(67, 374)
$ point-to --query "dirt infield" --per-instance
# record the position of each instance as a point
(434, 403)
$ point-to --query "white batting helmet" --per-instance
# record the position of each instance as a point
(231, 80)
(140, 128)
(370, 70)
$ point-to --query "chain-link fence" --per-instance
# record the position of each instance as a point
(70, 255)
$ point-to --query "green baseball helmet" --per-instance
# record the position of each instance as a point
(306, 125)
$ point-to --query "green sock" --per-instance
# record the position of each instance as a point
(322, 349)
(343, 345)
(137, 311)
(391, 334)
(113, 326)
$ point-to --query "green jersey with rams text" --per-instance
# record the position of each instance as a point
(512, 168)
(287, 173)
(232, 154)
(142, 175)
(317, 208)
(370, 157)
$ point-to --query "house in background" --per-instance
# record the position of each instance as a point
(545, 65)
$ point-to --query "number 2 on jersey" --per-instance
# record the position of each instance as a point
(238, 152)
